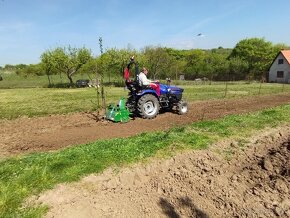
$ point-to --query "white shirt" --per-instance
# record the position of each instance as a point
(143, 81)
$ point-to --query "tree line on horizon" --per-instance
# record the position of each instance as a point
(250, 59)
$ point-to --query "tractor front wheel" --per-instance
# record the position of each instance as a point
(181, 107)
(148, 106)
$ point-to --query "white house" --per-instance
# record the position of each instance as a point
(280, 69)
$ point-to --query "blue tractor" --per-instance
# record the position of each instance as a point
(144, 102)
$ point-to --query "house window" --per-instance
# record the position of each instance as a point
(280, 61)
(280, 74)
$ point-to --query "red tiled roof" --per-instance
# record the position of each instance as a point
(286, 54)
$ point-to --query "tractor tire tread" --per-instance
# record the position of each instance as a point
(142, 101)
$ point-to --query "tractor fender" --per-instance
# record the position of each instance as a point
(147, 91)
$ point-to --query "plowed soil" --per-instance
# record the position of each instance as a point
(253, 182)
(26, 135)
(226, 180)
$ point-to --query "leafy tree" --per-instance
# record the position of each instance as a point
(20, 66)
(34, 69)
(237, 68)
(176, 54)
(258, 54)
(47, 63)
(9, 67)
(216, 66)
(29, 70)
(157, 60)
(67, 60)
(212, 63)
(90, 67)
(176, 68)
(195, 64)
(112, 62)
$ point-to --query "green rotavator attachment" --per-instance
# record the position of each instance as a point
(118, 113)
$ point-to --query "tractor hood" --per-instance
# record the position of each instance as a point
(165, 89)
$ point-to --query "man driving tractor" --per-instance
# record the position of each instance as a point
(147, 97)
(144, 81)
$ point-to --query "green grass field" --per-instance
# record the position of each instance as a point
(12, 80)
(19, 102)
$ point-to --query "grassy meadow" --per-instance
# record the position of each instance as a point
(20, 96)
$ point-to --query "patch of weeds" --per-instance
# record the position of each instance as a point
(228, 153)
(171, 150)
(197, 141)
(218, 127)
(270, 112)
(30, 211)
(242, 142)
(179, 129)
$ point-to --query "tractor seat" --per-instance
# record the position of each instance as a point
(129, 83)
(145, 87)
(132, 85)
(142, 87)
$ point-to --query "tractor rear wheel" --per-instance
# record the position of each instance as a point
(148, 106)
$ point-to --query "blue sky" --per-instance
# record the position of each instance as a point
(28, 28)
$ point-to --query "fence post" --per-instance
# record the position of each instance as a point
(226, 90)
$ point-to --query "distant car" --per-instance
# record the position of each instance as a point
(82, 83)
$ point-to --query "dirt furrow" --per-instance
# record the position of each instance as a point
(25, 135)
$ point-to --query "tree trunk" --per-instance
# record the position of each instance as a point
(69, 76)
(48, 77)
(47, 70)
(49, 82)
(70, 80)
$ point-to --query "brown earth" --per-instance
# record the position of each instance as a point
(26, 135)
(253, 181)
(226, 180)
